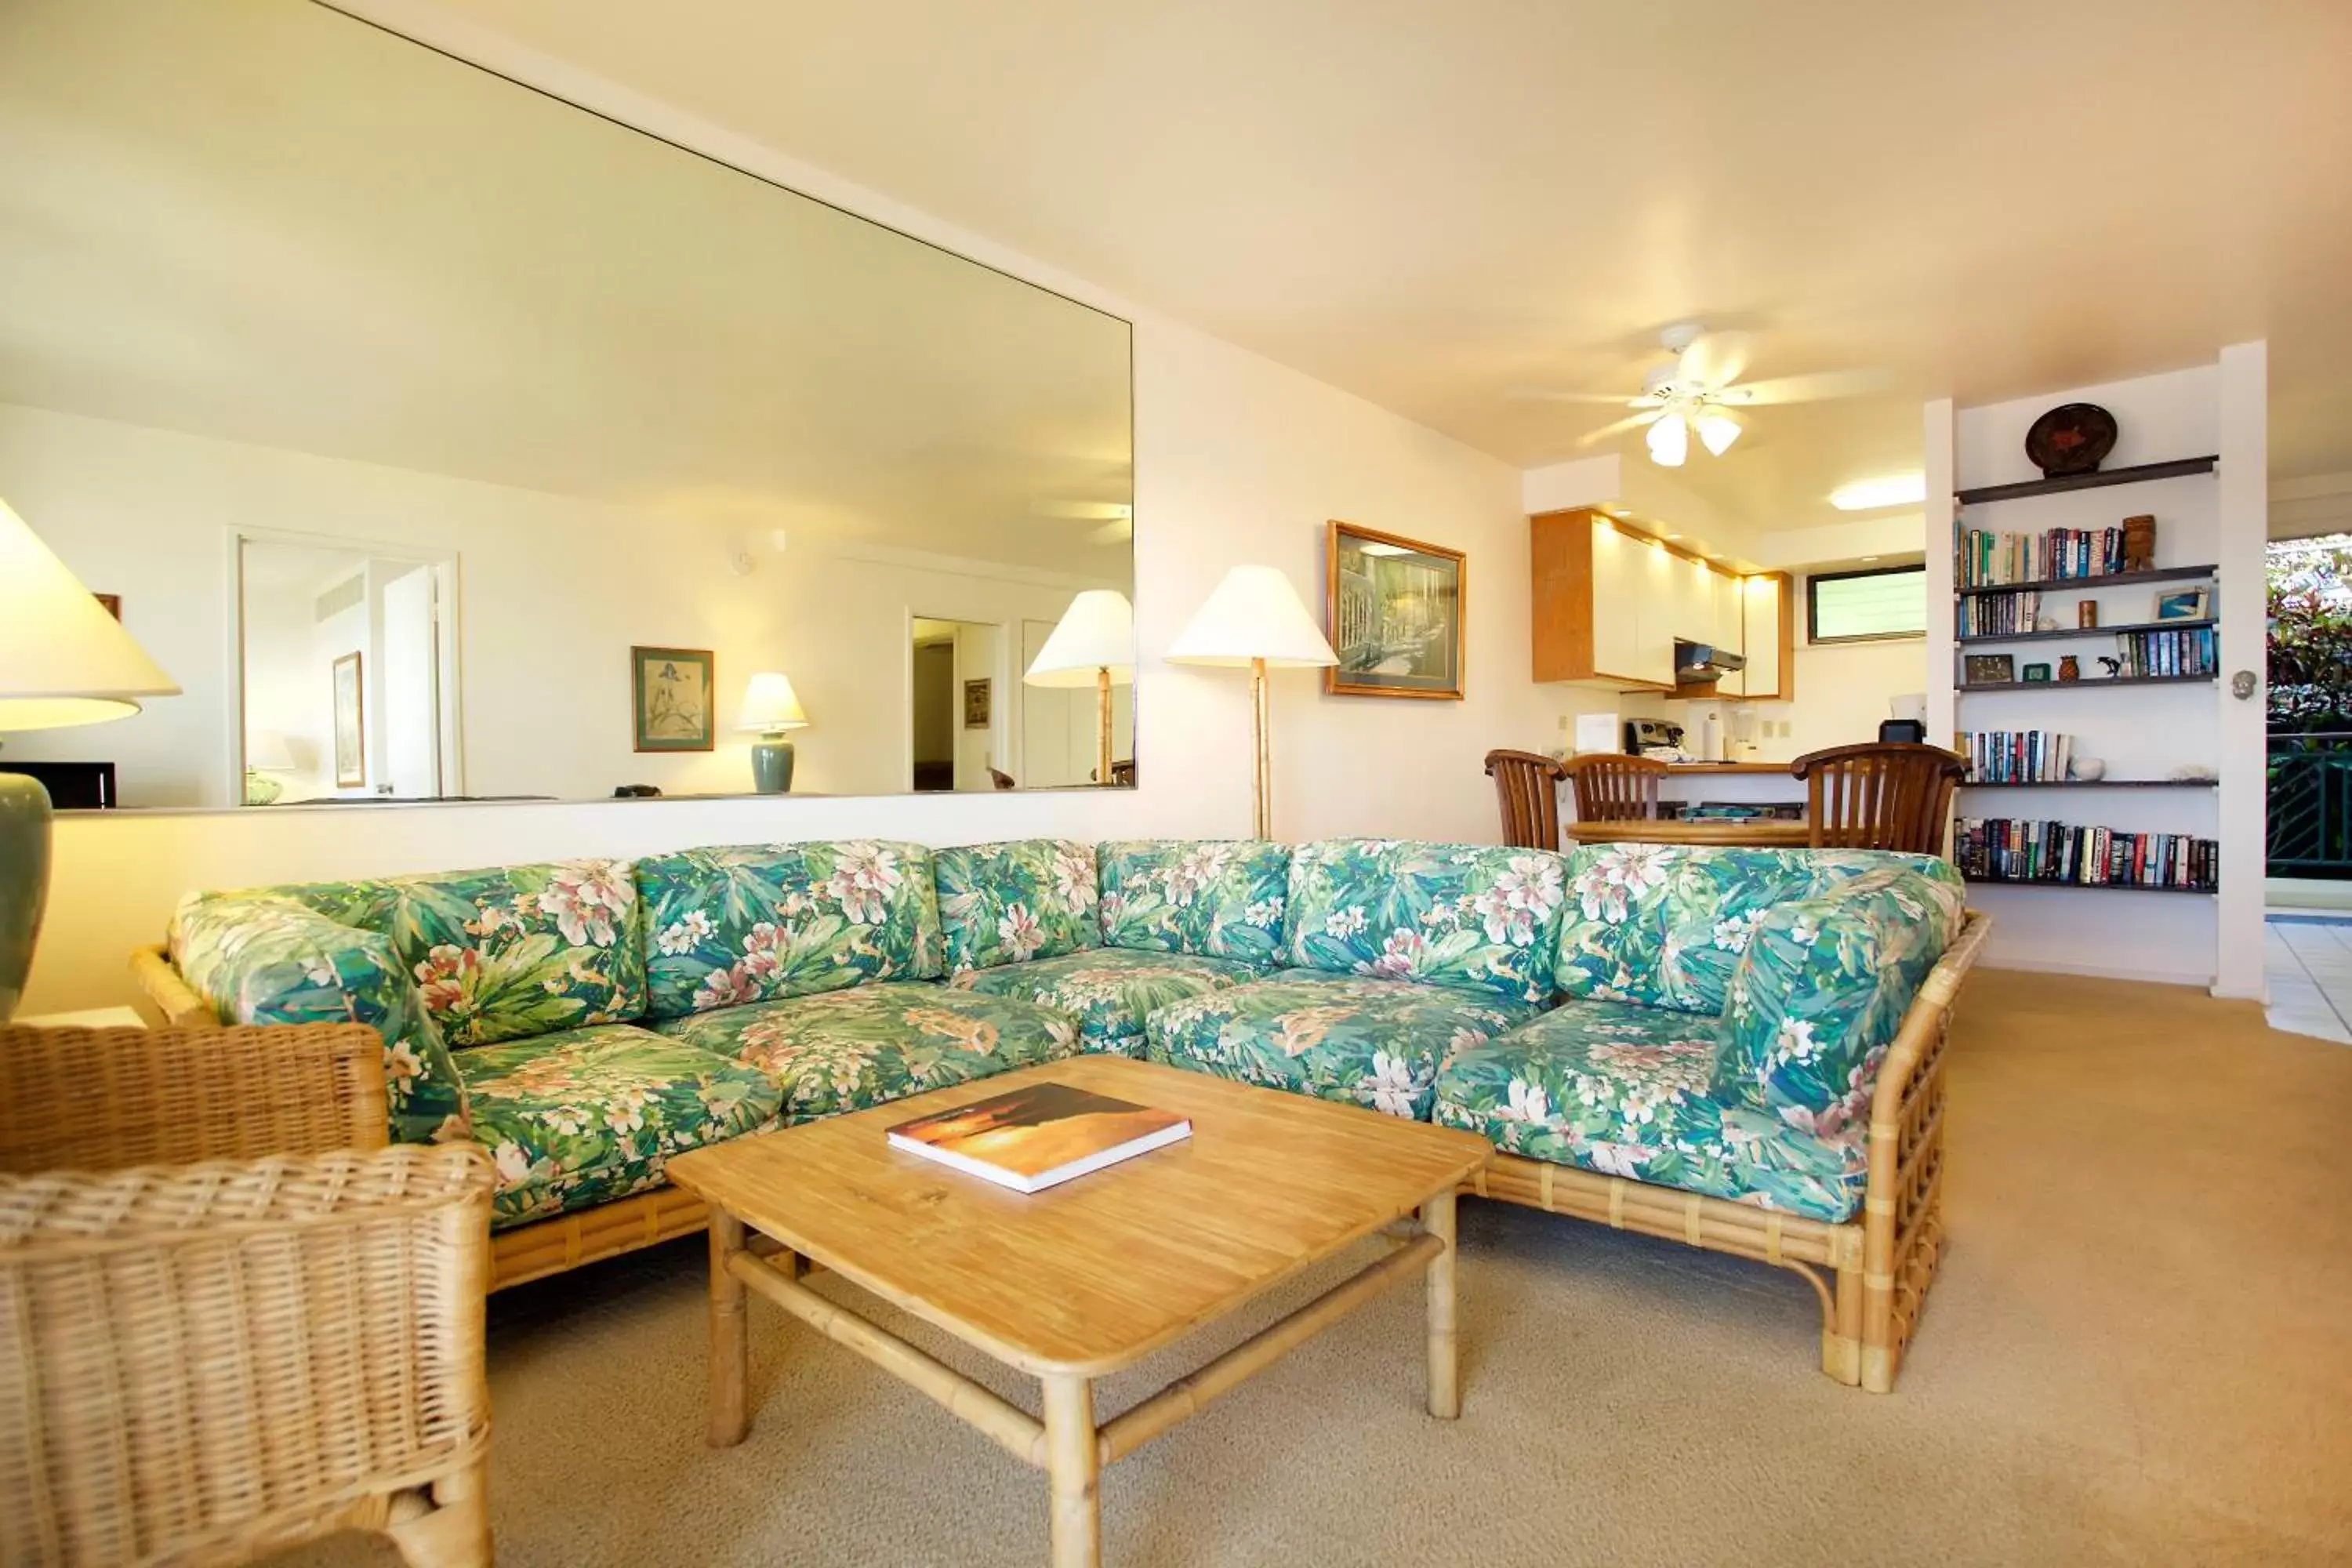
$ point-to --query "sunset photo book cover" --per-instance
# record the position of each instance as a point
(1036, 1137)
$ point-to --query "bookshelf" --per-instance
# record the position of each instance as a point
(1978, 508)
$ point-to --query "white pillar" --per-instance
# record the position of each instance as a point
(2241, 603)
(1942, 484)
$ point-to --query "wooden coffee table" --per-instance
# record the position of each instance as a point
(1083, 1279)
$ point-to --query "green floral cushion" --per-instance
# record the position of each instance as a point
(509, 951)
(1451, 914)
(1111, 990)
(1823, 989)
(1622, 1089)
(1667, 925)
(1368, 1042)
(262, 958)
(753, 922)
(844, 1050)
(1017, 902)
(1216, 899)
(580, 1118)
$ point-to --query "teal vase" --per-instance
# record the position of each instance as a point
(771, 765)
(23, 881)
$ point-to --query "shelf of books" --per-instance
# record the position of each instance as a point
(2026, 852)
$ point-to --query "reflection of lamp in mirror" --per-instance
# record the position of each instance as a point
(1093, 645)
(63, 661)
(267, 753)
(1255, 619)
(770, 708)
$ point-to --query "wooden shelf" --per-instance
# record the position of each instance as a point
(2064, 632)
(2088, 887)
(2092, 584)
(2088, 684)
(2180, 468)
(2091, 783)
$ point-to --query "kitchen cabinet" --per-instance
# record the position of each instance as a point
(1610, 601)
(1768, 630)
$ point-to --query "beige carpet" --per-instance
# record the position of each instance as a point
(2140, 1350)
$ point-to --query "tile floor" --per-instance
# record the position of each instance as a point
(2309, 963)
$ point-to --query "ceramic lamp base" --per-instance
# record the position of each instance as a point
(23, 881)
(771, 765)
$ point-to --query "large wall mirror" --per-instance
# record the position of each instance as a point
(444, 440)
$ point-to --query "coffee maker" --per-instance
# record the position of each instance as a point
(1653, 737)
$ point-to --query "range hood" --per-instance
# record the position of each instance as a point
(1696, 663)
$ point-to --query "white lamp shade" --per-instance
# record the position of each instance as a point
(1096, 633)
(1716, 432)
(63, 659)
(1254, 614)
(770, 703)
(1669, 441)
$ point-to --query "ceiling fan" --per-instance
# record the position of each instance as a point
(1699, 393)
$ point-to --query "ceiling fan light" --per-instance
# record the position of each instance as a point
(1718, 432)
(1669, 441)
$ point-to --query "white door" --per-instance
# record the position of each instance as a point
(411, 688)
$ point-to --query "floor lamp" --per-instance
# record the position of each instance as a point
(1255, 619)
(63, 661)
(1093, 645)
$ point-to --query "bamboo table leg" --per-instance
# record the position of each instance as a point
(730, 1346)
(1445, 1378)
(1072, 1464)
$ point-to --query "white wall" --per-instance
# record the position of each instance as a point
(1237, 459)
(2139, 732)
(1843, 691)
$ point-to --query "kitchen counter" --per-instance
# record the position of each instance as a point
(1780, 768)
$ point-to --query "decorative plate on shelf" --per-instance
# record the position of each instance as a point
(2072, 439)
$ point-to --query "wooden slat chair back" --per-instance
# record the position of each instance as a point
(1527, 786)
(1615, 788)
(1874, 796)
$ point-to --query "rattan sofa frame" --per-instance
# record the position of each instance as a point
(1871, 1275)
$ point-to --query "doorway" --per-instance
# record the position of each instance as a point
(347, 671)
(957, 720)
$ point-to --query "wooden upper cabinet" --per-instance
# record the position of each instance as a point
(1609, 604)
(1769, 629)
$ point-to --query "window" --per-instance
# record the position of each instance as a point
(1861, 606)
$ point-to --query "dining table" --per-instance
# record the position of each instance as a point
(1752, 833)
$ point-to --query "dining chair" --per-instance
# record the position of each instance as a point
(1880, 796)
(1612, 787)
(1528, 785)
(999, 778)
(231, 1319)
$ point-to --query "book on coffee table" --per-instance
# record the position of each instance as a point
(1036, 1137)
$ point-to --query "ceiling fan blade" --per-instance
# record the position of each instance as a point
(1713, 360)
(1630, 422)
(1546, 394)
(1809, 388)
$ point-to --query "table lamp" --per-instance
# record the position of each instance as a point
(267, 756)
(1093, 645)
(770, 708)
(63, 661)
(1255, 619)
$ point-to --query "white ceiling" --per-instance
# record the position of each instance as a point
(1432, 205)
(261, 221)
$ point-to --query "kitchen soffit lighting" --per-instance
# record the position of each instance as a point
(1869, 495)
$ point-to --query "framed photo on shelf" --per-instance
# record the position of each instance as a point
(1989, 668)
(2184, 604)
(669, 695)
(2037, 672)
(1392, 609)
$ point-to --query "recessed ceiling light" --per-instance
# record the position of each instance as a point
(1870, 558)
(1869, 495)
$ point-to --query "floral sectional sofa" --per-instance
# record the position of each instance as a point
(1735, 1048)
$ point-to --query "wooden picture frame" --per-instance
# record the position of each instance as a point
(1394, 609)
(1989, 668)
(671, 699)
(351, 721)
(979, 703)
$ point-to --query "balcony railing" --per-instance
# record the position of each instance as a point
(2311, 804)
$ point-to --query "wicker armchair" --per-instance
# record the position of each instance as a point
(276, 1335)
